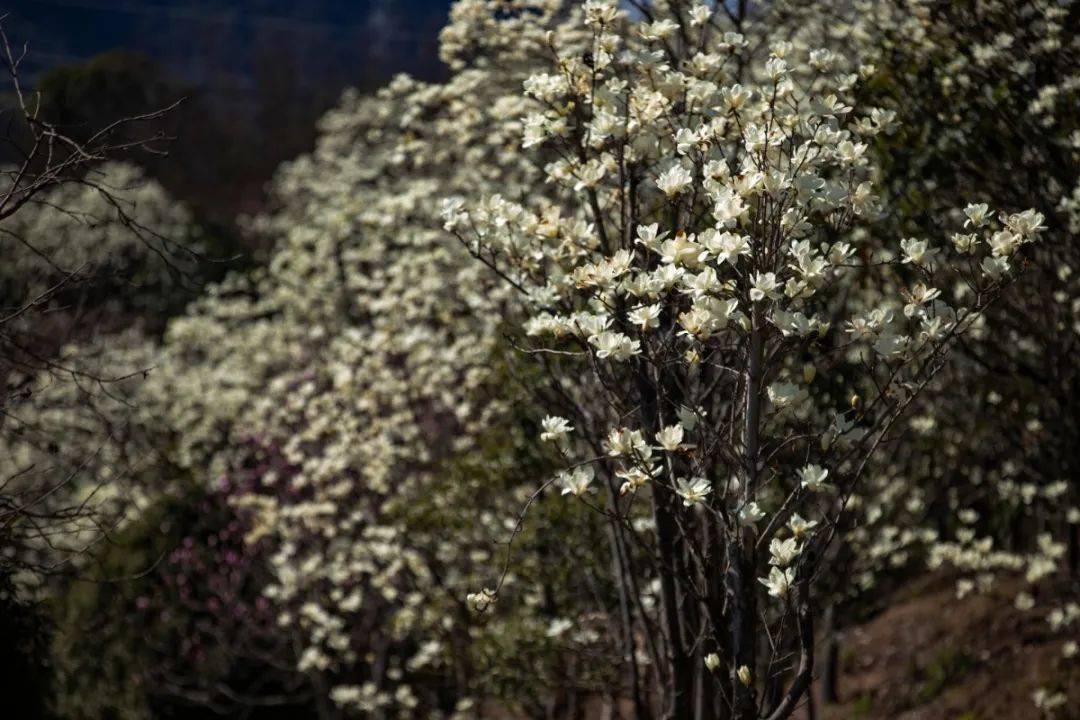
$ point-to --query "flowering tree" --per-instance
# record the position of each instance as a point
(69, 372)
(995, 480)
(68, 225)
(703, 255)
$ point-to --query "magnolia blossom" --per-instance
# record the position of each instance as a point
(812, 477)
(783, 552)
(622, 441)
(577, 481)
(764, 285)
(634, 478)
(693, 491)
(779, 582)
(917, 252)
(976, 214)
(555, 428)
(629, 203)
(750, 513)
(615, 345)
(646, 317)
(674, 180)
(799, 526)
(670, 438)
(480, 601)
(965, 243)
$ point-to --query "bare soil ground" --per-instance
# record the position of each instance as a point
(930, 656)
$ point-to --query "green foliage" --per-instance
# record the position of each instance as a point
(949, 666)
(862, 707)
(99, 644)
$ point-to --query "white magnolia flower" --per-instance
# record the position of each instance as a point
(976, 214)
(559, 626)
(680, 250)
(796, 323)
(674, 180)
(813, 478)
(577, 481)
(917, 252)
(891, 344)
(688, 417)
(659, 30)
(779, 582)
(995, 267)
(555, 428)
(783, 552)
(346, 695)
(799, 526)
(623, 441)
(786, 396)
(590, 175)
(965, 244)
(693, 491)
(736, 96)
(670, 438)
(744, 675)
(712, 661)
(1048, 700)
(615, 345)
(706, 317)
(764, 285)
(1004, 243)
(750, 513)
(700, 14)
(729, 207)
(727, 247)
(479, 602)
(600, 12)
(647, 236)
(1027, 224)
(918, 296)
(633, 478)
(647, 317)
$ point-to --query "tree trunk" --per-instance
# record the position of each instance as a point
(680, 700)
(742, 555)
(831, 666)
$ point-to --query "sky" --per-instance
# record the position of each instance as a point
(257, 73)
(218, 46)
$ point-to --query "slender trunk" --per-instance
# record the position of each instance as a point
(678, 662)
(741, 556)
(663, 507)
(1074, 550)
(800, 685)
(743, 624)
(829, 677)
(626, 617)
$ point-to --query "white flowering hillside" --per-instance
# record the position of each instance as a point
(621, 374)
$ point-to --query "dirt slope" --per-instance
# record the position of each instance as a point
(930, 656)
